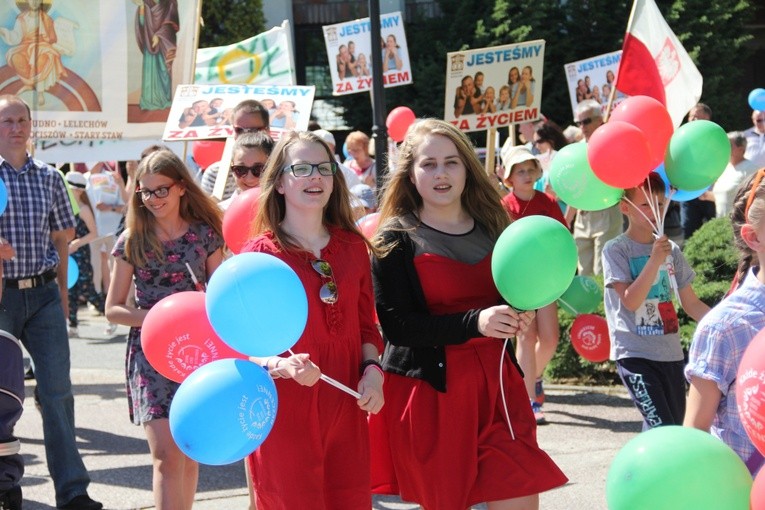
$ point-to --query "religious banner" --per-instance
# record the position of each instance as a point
(204, 111)
(593, 78)
(97, 70)
(263, 59)
(349, 47)
(494, 87)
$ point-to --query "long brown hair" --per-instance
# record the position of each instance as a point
(195, 207)
(480, 199)
(739, 216)
(272, 206)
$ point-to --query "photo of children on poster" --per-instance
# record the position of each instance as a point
(594, 78)
(202, 112)
(349, 47)
(494, 87)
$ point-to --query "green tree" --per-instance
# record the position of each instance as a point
(230, 21)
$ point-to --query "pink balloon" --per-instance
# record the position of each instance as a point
(619, 154)
(749, 394)
(398, 121)
(652, 118)
(758, 491)
(589, 337)
(368, 224)
(237, 220)
(207, 152)
(177, 337)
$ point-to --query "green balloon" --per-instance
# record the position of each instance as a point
(573, 180)
(677, 468)
(584, 295)
(533, 262)
(696, 155)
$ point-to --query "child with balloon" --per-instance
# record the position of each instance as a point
(317, 454)
(172, 228)
(642, 320)
(447, 374)
(724, 334)
(536, 346)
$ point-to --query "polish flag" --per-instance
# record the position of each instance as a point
(655, 64)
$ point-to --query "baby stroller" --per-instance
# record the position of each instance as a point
(11, 405)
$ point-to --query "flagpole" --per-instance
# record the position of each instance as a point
(612, 95)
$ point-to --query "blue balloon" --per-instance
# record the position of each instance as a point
(678, 195)
(3, 196)
(73, 273)
(257, 304)
(757, 99)
(346, 154)
(223, 411)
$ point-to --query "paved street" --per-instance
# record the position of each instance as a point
(588, 427)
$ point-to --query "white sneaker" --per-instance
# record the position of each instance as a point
(111, 329)
(73, 332)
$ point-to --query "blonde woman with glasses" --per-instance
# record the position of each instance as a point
(317, 455)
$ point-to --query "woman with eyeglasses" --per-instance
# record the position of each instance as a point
(171, 226)
(248, 160)
(317, 455)
(457, 417)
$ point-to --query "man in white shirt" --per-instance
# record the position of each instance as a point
(755, 139)
(737, 171)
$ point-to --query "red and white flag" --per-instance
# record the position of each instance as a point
(655, 64)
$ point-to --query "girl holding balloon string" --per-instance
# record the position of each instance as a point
(726, 331)
(448, 376)
(317, 454)
(171, 226)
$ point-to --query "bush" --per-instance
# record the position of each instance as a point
(709, 252)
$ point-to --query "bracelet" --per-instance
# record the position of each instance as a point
(370, 363)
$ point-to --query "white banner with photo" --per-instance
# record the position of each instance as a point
(494, 87)
(594, 78)
(202, 112)
(263, 59)
(97, 70)
(349, 49)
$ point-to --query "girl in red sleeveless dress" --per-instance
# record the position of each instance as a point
(452, 443)
(317, 455)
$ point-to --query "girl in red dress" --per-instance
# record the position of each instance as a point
(452, 444)
(317, 455)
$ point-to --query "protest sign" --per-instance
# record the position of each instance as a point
(593, 78)
(494, 87)
(349, 49)
(94, 70)
(204, 111)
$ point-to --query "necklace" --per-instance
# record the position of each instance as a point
(170, 235)
(528, 202)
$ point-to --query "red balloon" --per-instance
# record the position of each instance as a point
(652, 118)
(398, 121)
(177, 337)
(750, 390)
(237, 220)
(589, 337)
(207, 152)
(368, 224)
(619, 154)
(757, 500)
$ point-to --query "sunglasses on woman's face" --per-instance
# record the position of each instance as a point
(328, 291)
(241, 170)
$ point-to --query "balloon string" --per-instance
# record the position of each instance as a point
(502, 388)
(337, 384)
(563, 301)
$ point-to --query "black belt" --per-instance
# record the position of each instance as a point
(32, 281)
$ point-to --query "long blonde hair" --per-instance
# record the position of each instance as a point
(272, 206)
(480, 199)
(195, 207)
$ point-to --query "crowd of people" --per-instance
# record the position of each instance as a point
(389, 314)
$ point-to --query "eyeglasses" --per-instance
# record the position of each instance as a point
(306, 169)
(242, 170)
(328, 291)
(759, 121)
(160, 192)
(753, 191)
(241, 130)
(585, 122)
